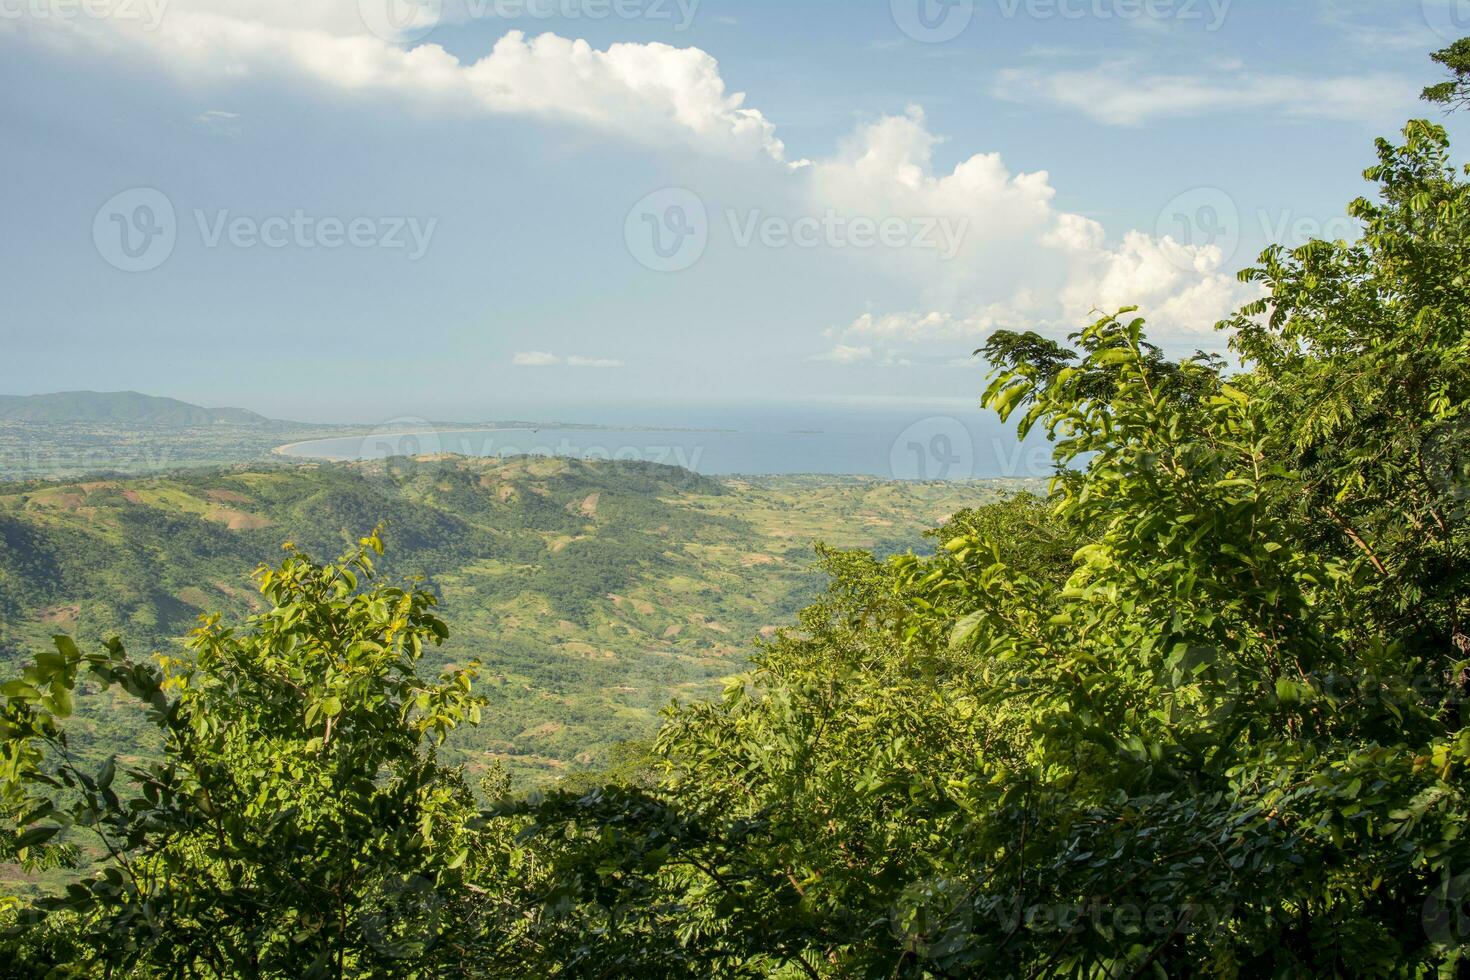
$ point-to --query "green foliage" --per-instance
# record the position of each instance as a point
(296, 808)
(1205, 713)
(1455, 92)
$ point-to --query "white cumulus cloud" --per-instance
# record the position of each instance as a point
(650, 92)
(1023, 264)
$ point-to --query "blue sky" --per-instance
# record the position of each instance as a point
(475, 208)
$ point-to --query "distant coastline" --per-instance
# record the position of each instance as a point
(463, 429)
(286, 450)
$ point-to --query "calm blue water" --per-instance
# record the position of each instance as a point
(938, 441)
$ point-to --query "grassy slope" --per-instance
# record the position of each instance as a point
(591, 592)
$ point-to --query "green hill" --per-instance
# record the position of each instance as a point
(592, 592)
(120, 407)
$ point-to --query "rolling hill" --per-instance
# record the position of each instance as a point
(592, 592)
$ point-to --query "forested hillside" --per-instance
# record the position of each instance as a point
(593, 592)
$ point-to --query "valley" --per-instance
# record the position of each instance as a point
(593, 593)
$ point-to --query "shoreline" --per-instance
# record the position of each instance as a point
(286, 450)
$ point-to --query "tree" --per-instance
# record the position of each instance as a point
(297, 823)
(1455, 92)
(1226, 735)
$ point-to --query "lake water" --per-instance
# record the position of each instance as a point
(912, 441)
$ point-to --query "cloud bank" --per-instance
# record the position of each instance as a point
(1021, 264)
(654, 92)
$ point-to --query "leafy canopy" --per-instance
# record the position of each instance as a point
(1204, 711)
(297, 823)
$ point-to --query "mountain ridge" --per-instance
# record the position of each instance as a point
(130, 407)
